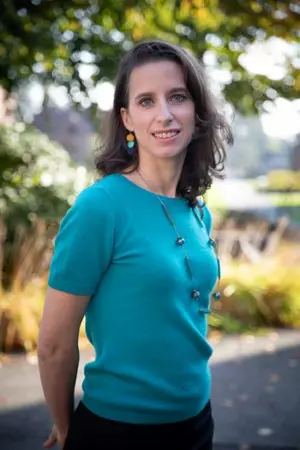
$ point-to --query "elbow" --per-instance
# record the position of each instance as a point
(47, 349)
(55, 349)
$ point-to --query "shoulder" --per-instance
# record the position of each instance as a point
(93, 196)
(99, 196)
(108, 189)
(91, 206)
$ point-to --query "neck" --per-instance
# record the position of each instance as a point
(160, 176)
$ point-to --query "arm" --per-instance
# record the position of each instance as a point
(82, 253)
(58, 354)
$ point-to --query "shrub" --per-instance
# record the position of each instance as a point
(20, 315)
(37, 176)
(264, 295)
(280, 181)
(38, 182)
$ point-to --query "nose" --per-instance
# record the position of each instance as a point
(164, 113)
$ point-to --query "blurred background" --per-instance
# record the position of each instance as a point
(57, 66)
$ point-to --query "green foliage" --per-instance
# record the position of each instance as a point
(271, 17)
(264, 295)
(281, 181)
(37, 176)
(38, 183)
(50, 40)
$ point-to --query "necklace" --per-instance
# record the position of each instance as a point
(180, 241)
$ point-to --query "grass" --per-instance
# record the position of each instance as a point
(258, 296)
(20, 316)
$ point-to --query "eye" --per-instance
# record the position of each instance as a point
(177, 98)
(146, 102)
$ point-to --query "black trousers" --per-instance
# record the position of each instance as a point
(90, 432)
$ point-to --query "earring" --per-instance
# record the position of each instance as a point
(130, 144)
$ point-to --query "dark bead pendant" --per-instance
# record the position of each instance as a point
(212, 242)
(216, 295)
(204, 311)
(180, 241)
(195, 293)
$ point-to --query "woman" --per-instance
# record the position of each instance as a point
(134, 255)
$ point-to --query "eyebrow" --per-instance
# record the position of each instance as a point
(171, 91)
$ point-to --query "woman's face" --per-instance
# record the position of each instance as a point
(160, 111)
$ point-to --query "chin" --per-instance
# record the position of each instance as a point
(170, 153)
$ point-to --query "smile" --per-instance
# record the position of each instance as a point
(166, 134)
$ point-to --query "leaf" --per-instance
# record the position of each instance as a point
(198, 25)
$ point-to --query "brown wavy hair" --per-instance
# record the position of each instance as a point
(206, 153)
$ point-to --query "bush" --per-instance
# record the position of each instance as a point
(280, 181)
(20, 315)
(265, 295)
(37, 176)
(38, 183)
(22, 304)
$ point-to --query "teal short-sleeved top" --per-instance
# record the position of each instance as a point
(116, 245)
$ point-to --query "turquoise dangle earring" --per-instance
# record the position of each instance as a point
(217, 294)
(130, 144)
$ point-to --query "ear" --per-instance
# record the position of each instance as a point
(126, 119)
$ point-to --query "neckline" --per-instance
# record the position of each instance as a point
(164, 198)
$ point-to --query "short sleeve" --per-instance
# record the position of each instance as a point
(83, 246)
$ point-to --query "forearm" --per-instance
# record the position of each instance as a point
(58, 373)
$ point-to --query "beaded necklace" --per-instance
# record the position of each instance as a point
(180, 241)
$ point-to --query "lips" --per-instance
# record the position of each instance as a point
(165, 134)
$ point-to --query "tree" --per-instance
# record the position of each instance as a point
(262, 20)
(52, 41)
